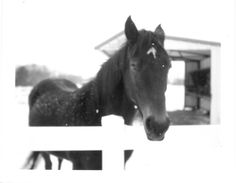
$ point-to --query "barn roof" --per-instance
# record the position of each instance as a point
(178, 48)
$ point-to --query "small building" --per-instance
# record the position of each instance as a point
(202, 66)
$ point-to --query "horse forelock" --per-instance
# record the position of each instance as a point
(144, 41)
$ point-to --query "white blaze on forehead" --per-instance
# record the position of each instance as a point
(152, 51)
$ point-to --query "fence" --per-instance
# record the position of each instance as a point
(112, 138)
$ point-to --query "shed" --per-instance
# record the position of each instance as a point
(202, 66)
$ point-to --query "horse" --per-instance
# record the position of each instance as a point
(133, 80)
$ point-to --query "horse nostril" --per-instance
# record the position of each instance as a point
(149, 123)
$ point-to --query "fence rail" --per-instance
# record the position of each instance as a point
(112, 138)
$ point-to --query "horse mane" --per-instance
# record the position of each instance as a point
(110, 74)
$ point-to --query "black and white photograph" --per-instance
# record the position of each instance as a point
(117, 91)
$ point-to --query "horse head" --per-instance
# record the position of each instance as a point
(145, 77)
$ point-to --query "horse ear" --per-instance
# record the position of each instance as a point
(131, 31)
(160, 34)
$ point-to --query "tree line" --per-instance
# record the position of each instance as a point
(29, 75)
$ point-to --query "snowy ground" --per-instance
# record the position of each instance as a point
(187, 154)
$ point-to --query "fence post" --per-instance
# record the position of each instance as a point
(113, 152)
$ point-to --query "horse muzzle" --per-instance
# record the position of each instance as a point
(155, 130)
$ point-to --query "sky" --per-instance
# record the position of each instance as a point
(62, 34)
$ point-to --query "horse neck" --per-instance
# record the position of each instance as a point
(111, 90)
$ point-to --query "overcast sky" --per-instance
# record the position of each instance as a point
(62, 34)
